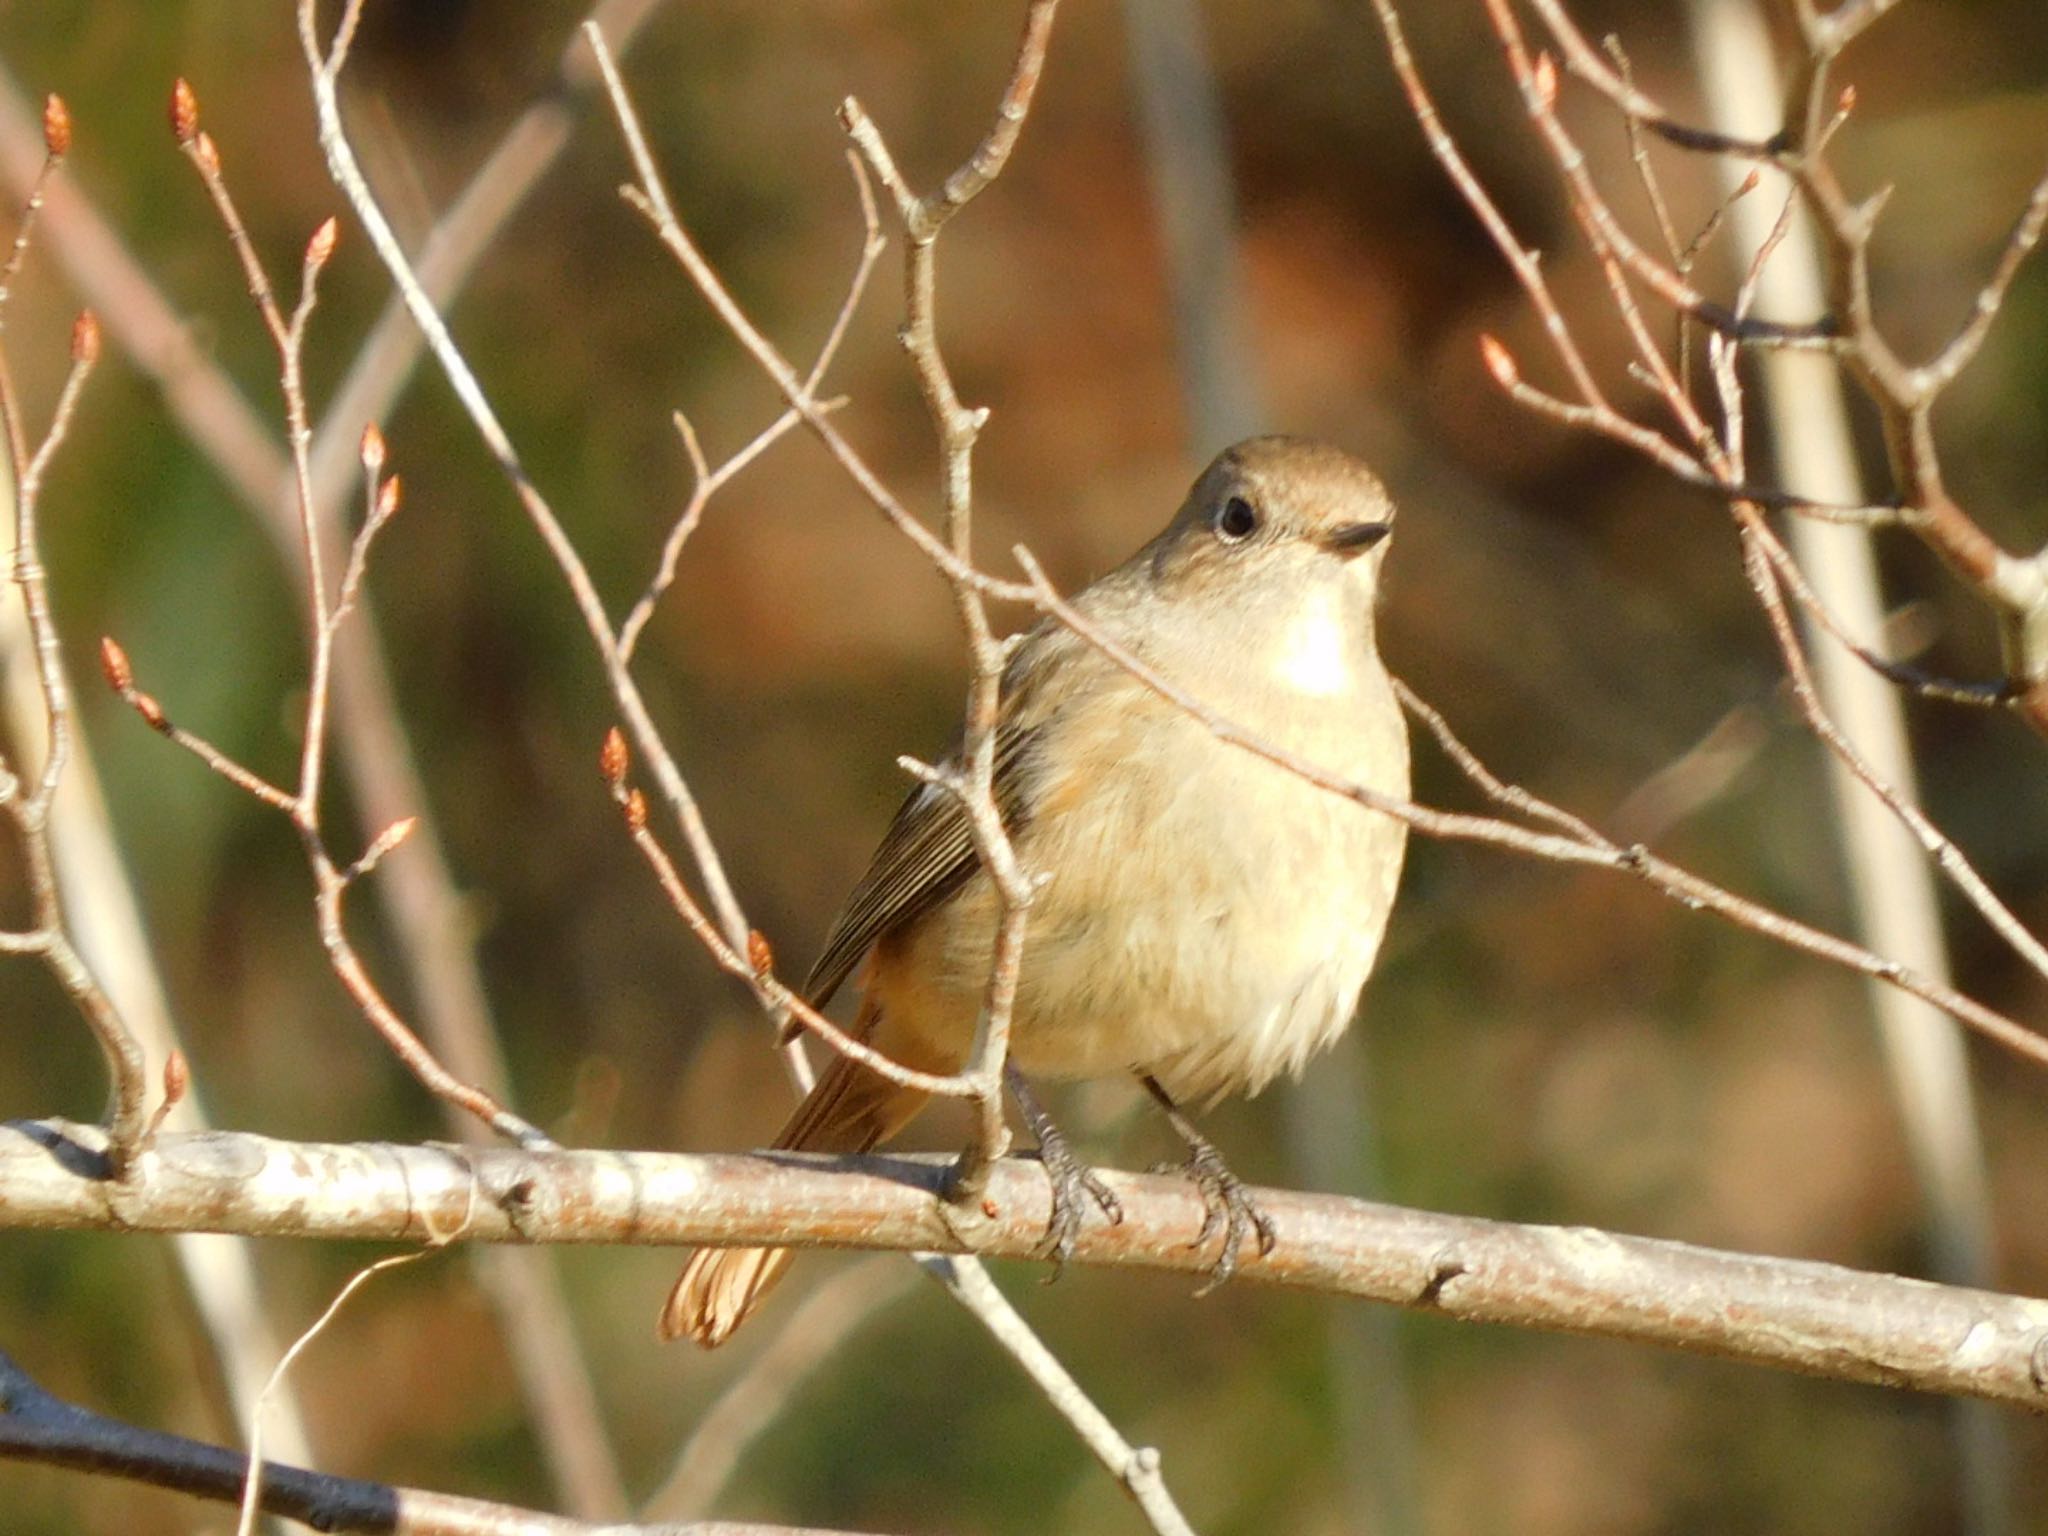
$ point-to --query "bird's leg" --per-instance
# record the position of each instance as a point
(1069, 1176)
(1228, 1204)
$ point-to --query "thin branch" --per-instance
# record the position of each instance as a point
(825, 1319)
(1520, 259)
(706, 482)
(325, 64)
(426, 924)
(302, 806)
(252, 1482)
(2013, 588)
(56, 144)
(754, 965)
(1962, 350)
(957, 427)
(28, 804)
(1137, 1467)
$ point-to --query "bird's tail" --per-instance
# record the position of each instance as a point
(851, 1109)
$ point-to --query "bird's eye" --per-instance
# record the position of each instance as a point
(1238, 520)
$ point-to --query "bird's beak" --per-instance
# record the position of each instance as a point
(1349, 539)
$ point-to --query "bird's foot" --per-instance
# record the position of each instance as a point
(1073, 1181)
(1228, 1208)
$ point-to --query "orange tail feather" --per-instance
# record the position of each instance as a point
(850, 1110)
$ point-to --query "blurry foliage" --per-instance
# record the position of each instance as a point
(1543, 1043)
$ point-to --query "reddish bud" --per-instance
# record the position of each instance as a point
(321, 246)
(85, 337)
(1499, 362)
(387, 498)
(1750, 183)
(184, 111)
(612, 758)
(373, 448)
(177, 1078)
(1546, 81)
(1847, 102)
(207, 156)
(636, 811)
(152, 712)
(760, 955)
(56, 126)
(989, 1208)
(114, 665)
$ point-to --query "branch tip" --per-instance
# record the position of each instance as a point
(177, 1078)
(1545, 80)
(177, 1081)
(372, 448)
(184, 112)
(321, 246)
(636, 811)
(387, 840)
(1499, 362)
(114, 666)
(613, 758)
(85, 338)
(388, 495)
(56, 126)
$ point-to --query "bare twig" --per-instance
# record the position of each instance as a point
(923, 218)
(26, 798)
(754, 965)
(302, 805)
(1137, 1467)
(828, 1316)
(252, 1483)
(2013, 588)
(427, 915)
(706, 482)
(324, 62)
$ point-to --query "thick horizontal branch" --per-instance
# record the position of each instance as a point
(1793, 1314)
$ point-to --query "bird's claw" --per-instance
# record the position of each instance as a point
(1072, 1181)
(1227, 1208)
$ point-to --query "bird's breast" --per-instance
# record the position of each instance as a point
(1317, 651)
(1208, 914)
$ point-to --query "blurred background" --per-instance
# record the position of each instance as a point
(1539, 1044)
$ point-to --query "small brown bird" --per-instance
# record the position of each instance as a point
(1208, 918)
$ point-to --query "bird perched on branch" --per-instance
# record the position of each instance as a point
(1207, 917)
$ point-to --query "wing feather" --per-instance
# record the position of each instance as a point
(928, 852)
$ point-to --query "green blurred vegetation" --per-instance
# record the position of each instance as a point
(1541, 1043)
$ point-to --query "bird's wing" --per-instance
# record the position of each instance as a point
(928, 852)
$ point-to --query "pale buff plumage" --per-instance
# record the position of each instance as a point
(1209, 918)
